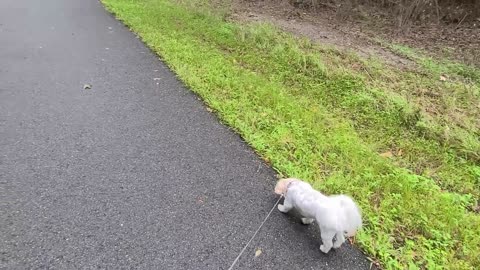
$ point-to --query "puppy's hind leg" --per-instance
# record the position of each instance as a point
(327, 240)
(340, 238)
(287, 205)
(307, 221)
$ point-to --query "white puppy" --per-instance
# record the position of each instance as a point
(336, 216)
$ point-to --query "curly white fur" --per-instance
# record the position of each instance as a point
(336, 215)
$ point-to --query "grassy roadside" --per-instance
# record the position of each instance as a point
(404, 144)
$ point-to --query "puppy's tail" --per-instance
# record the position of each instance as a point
(282, 185)
(352, 214)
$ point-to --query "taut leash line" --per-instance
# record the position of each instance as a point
(253, 236)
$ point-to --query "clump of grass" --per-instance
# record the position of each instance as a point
(449, 94)
(325, 116)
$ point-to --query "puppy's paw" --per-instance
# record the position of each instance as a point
(337, 244)
(281, 208)
(307, 221)
(324, 249)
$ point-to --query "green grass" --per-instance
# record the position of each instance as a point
(435, 66)
(326, 116)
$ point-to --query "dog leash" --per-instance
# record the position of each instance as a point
(253, 236)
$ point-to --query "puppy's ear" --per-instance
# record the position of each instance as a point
(281, 186)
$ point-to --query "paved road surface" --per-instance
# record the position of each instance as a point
(133, 173)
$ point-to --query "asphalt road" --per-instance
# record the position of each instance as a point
(133, 173)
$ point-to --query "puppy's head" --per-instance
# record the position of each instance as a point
(282, 184)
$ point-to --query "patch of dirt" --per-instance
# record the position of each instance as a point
(323, 25)
(320, 27)
(460, 43)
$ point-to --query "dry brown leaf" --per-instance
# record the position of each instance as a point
(387, 154)
(351, 240)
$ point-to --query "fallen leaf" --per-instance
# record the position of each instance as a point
(258, 252)
(87, 86)
(353, 239)
(443, 78)
(387, 154)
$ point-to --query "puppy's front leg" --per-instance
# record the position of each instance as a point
(327, 240)
(287, 206)
(340, 238)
